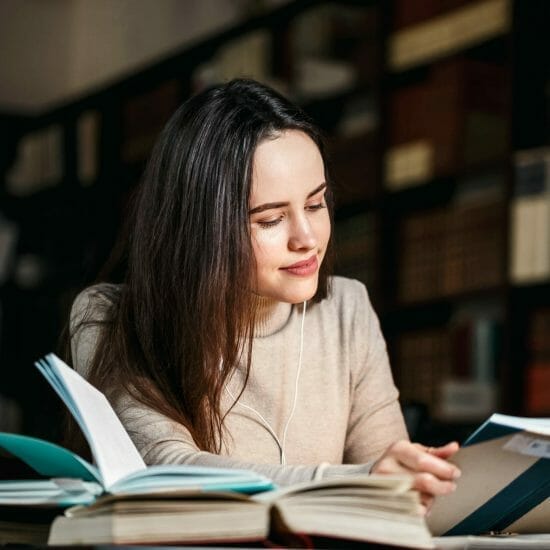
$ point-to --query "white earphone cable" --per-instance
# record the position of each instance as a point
(264, 422)
(298, 370)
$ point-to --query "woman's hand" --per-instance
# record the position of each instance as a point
(431, 472)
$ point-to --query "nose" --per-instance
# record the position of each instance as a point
(302, 234)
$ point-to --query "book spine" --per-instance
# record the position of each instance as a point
(450, 251)
(448, 33)
(530, 218)
(537, 376)
(467, 125)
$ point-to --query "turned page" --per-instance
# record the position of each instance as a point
(114, 452)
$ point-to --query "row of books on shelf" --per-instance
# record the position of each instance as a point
(468, 95)
(530, 217)
(456, 117)
(537, 383)
(452, 250)
(452, 371)
(324, 55)
(40, 157)
(462, 247)
(122, 501)
(430, 30)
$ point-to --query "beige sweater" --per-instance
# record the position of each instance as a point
(347, 410)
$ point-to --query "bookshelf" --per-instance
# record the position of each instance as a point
(461, 188)
(428, 136)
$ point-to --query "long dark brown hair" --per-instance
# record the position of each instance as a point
(184, 315)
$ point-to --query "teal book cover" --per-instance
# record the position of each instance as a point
(118, 467)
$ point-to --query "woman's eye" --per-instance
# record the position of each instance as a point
(269, 223)
(317, 206)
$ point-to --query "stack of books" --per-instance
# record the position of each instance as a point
(124, 502)
(121, 501)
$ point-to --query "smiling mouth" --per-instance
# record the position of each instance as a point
(305, 268)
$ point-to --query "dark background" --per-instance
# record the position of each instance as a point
(435, 250)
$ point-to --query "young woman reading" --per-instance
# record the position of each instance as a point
(228, 343)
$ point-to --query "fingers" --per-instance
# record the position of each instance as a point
(445, 451)
(417, 458)
(431, 485)
(432, 474)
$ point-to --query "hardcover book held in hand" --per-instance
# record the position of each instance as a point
(505, 482)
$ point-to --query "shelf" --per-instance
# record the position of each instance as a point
(448, 34)
(75, 226)
(398, 320)
(532, 294)
(436, 192)
(440, 190)
(438, 310)
(494, 50)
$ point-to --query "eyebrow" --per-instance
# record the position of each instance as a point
(270, 205)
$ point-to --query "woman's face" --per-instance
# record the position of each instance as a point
(289, 220)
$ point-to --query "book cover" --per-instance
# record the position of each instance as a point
(505, 467)
(120, 468)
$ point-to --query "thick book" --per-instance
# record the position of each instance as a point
(380, 510)
(505, 482)
(122, 501)
(119, 467)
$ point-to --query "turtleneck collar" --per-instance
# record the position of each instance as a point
(273, 316)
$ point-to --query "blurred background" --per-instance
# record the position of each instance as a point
(437, 115)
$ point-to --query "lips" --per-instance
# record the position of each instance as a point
(303, 268)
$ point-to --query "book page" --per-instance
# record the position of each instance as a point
(113, 450)
(535, 425)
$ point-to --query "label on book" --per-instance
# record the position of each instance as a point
(530, 446)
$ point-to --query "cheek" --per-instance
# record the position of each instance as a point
(267, 247)
(323, 230)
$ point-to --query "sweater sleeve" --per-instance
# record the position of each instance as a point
(375, 420)
(159, 439)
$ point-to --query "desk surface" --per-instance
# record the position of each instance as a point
(488, 542)
(509, 542)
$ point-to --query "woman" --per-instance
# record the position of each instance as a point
(228, 344)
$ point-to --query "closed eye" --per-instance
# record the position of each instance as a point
(313, 207)
(269, 223)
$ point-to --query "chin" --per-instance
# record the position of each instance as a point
(302, 295)
(290, 292)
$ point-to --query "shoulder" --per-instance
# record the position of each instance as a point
(92, 303)
(347, 307)
(347, 290)
(347, 297)
(89, 311)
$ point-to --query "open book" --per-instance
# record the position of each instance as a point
(374, 509)
(505, 482)
(120, 468)
(130, 503)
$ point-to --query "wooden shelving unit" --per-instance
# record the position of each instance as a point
(67, 228)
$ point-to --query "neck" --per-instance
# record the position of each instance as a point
(265, 307)
(271, 315)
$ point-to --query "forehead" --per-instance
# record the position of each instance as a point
(288, 163)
